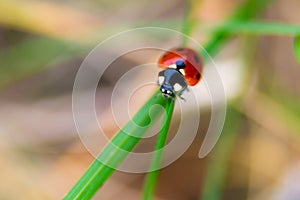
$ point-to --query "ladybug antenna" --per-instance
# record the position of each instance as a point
(180, 64)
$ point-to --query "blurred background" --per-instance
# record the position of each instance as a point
(42, 44)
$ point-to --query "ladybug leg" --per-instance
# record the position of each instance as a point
(180, 95)
(181, 92)
(182, 98)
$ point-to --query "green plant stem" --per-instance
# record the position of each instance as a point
(297, 48)
(248, 10)
(152, 176)
(116, 151)
(189, 21)
(216, 170)
(259, 28)
(217, 165)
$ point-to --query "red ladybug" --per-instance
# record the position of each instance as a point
(183, 66)
(193, 63)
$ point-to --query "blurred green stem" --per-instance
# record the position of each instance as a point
(297, 47)
(217, 166)
(259, 28)
(216, 170)
(248, 10)
(189, 20)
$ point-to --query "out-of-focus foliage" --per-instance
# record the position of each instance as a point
(33, 55)
(215, 177)
(297, 48)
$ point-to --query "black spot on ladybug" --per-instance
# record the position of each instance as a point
(198, 76)
(179, 49)
(196, 58)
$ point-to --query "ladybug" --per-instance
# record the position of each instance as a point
(183, 66)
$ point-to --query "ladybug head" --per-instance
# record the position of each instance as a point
(167, 91)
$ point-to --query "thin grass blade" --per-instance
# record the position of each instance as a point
(152, 176)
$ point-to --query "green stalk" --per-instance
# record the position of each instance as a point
(246, 11)
(189, 20)
(216, 170)
(297, 47)
(260, 28)
(152, 176)
(113, 153)
(217, 166)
